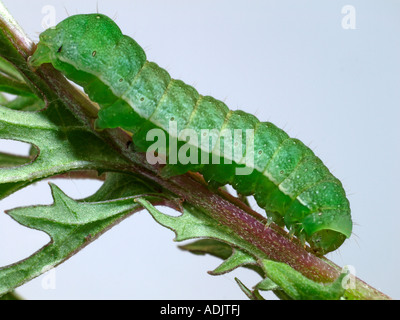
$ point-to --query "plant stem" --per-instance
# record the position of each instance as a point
(275, 245)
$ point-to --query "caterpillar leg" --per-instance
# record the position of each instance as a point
(303, 240)
(269, 222)
(292, 233)
(214, 185)
(244, 199)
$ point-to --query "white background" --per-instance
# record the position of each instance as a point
(288, 62)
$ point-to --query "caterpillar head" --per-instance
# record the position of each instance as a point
(87, 43)
(87, 49)
(71, 39)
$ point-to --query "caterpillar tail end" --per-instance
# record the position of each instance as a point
(42, 55)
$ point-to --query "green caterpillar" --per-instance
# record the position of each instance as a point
(285, 177)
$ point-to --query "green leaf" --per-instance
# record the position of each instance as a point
(194, 224)
(119, 185)
(251, 294)
(298, 287)
(71, 225)
(25, 104)
(14, 87)
(234, 258)
(218, 239)
(267, 285)
(237, 259)
(11, 296)
(209, 246)
(64, 145)
(11, 160)
(9, 70)
(3, 99)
